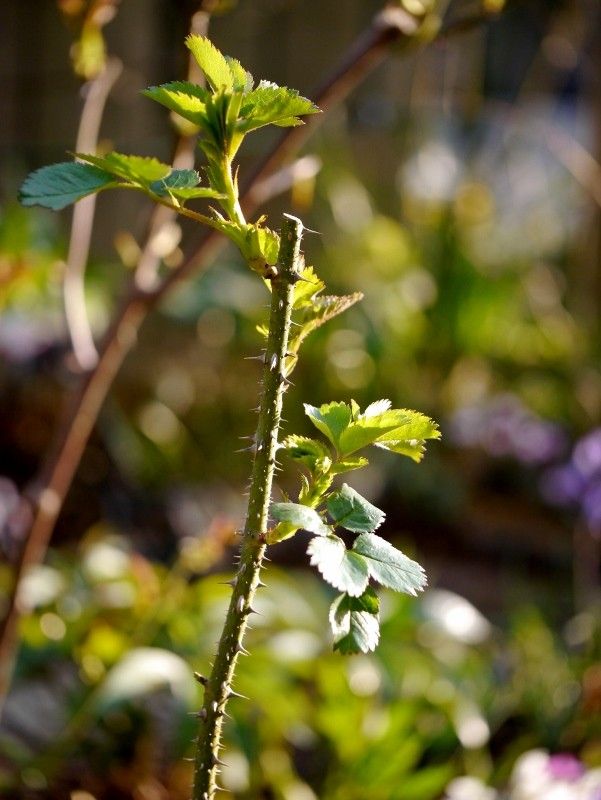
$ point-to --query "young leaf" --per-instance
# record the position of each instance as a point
(348, 464)
(331, 419)
(389, 566)
(308, 451)
(59, 185)
(270, 104)
(301, 517)
(355, 622)
(212, 62)
(183, 184)
(243, 80)
(318, 311)
(352, 511)
(342, 568)
(187, 99)
(136, 169)
(306, 288)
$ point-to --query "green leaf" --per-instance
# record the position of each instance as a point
(308, 451)
(353, 512)
(306, 288)
(301, 517)
(409, 438)
(389, 566)
(177, 179)
(187, 99)
(243, 80)
(270, 104)
(212, 62)
(183, 184)
(331, 419)
(342, 568)
(136, 169)
(59, 185)
(355, 622)
(349, 464)
(319, 310)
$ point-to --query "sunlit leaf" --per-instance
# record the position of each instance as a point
(59, 185)
(187, 99)
(212, 62)
(273, 104)
(352, 511)
(343, 569)
(355, 622)
(137, 169)
(331, 419)
(308, 451)
(389, 566)
(348, 464)
(301, 516)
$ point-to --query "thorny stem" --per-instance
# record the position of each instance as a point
(218, 687)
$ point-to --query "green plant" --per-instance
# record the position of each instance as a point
(225, 112)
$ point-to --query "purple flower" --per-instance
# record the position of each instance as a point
(565, 767)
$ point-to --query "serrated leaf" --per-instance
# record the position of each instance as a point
(58, 185)
(177, 179)
(243, 80)
(348, 464)
(270, 104)
(308, 451)
(300, 516)
(184, 98)
(352, 511)
(410, 437)
(331, 419)
(390, 566)
(182, 184)
(343, 569)
(306, 288)
(376, 408)
(137, 169)
(319, 311)
(211, 61)
(355, 622)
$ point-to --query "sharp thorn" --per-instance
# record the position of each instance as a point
(232, 693)
(202, 679)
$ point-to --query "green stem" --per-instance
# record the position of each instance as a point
(232, 203)
(218, 687)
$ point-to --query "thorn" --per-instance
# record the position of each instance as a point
(202, 714)
(232, 693)
(260, 584)
(242, 650)
(202, 679)
(251, 610)
(254, 358)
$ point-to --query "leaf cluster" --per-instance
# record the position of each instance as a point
(319, 510)
(224, 112)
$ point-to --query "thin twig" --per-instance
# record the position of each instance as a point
(47, 495)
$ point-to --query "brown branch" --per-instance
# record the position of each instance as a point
(392, 26)
(82, 222)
